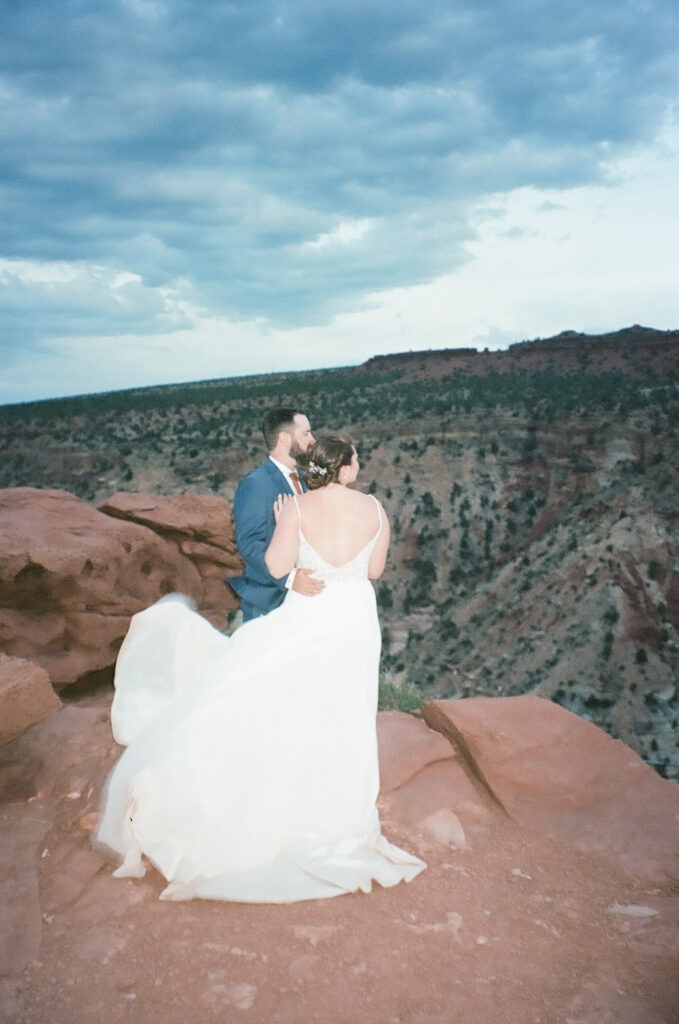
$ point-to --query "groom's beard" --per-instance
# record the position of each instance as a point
(300, 457)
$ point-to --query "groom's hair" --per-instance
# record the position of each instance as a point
(277, 420)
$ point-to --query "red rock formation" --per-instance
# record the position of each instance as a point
(548, 769)
(187, 518)
(201, 527)
(514, 920)
(26, 696)
(71, 576)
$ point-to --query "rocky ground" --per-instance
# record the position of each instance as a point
(550, 893)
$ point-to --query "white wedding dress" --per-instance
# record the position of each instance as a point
(251, 768)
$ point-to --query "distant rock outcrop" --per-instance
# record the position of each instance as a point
(649, 349)
(71, 575)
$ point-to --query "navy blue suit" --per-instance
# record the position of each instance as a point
(253, 515)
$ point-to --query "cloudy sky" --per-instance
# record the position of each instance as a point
(204, 188)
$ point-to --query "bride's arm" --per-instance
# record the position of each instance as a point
(378, 559)
(281, 554)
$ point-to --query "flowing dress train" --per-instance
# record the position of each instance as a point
(251, 769)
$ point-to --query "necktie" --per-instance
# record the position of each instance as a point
(295, 482)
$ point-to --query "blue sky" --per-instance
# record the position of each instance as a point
(195, 190)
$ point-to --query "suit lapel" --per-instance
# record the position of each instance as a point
(279, 479)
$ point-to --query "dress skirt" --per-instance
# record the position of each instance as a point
(251, 768)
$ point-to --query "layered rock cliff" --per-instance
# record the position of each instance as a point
(532, 494)
(71, 575)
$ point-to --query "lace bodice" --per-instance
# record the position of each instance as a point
(356, 569)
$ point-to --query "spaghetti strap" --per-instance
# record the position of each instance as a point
(379, 513)
(299, 514)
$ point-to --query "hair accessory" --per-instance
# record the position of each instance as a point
(320, 470)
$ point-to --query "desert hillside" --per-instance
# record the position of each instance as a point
(532, 493)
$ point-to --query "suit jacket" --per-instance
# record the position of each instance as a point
(253, 515)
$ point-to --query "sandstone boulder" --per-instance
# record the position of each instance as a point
(425, 786)
(201, 527)
(71, 576)
(187, 518)
(551, 770)
(26, 696)
(407, 746)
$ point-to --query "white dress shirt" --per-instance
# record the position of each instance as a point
(286, 471)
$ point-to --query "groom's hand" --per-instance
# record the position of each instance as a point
(304, 583)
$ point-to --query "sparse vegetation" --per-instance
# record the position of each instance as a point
(519, 496)
(399, 698)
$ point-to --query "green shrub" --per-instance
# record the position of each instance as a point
(398, 698)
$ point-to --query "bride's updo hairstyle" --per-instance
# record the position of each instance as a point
(326, 458)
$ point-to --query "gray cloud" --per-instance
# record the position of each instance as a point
(218, 143)
(78, 299)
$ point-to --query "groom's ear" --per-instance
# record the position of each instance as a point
(284, 441)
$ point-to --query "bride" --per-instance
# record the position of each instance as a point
(251, 768)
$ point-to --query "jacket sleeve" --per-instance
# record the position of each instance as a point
(254, 521)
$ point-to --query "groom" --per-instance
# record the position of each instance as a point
(288, 436)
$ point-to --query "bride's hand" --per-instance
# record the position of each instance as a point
(278, 505)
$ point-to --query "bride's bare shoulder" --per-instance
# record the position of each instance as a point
(367, 503)
(369, 499)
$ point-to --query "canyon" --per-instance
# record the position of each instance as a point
(532, 494)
